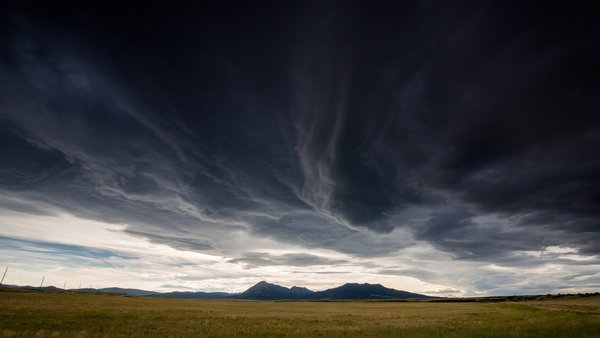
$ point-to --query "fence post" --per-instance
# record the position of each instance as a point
(2, 281)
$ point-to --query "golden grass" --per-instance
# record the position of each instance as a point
(54, 314)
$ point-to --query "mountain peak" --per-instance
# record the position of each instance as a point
(298, 291)
(363, 291)
(266, 291)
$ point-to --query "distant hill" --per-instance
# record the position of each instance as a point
(132, 292)
(43, 288)
(364, 291)
(32, 288)
(264, 291)
(300, 291)
(195, 295)
(268, 291)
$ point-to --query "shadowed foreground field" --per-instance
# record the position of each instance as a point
(54, 314)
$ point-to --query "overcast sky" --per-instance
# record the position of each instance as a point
(448, 148)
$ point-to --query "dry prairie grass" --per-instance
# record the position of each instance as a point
(55, 314)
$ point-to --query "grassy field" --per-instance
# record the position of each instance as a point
(54, 314)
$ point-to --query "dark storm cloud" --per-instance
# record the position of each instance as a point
(255, 259)
(23, 207)
(322, 125)
(192, 244)
(324, 272)
(313, 231)
(421, 274)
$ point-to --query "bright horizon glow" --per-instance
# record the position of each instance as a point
(105, 256)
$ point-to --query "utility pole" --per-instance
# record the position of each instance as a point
(65, 286)
(42, 283)
(4, 275)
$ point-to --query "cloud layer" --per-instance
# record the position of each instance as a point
(417, 140)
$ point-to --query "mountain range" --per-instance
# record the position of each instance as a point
(268, 291)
